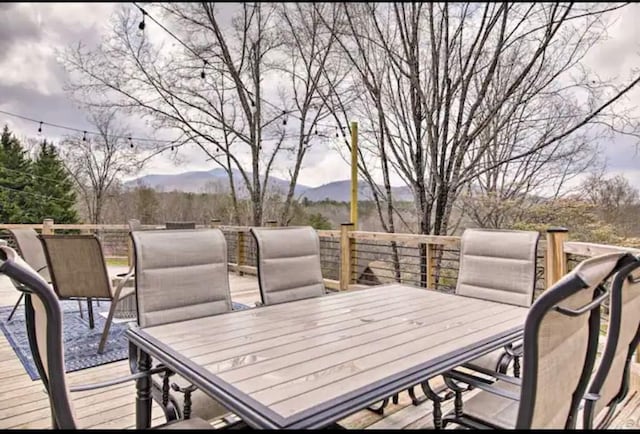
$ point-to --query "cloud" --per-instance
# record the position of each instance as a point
(32, 80)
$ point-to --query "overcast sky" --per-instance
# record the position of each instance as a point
(31, 81)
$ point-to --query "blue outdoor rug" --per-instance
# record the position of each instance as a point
(80, 342)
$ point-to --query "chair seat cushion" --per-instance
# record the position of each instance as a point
(493, 409)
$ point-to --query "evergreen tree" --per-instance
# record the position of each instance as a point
(14, 180)
(52, 188)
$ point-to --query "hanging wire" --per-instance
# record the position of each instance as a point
(202, 73)
(78, 130)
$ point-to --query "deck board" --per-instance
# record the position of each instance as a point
(23, 403)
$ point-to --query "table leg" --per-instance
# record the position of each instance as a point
(143, 395)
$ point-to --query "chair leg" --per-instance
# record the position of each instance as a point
(16, 306)
(80, 308)
(107, 326)
(90, 311)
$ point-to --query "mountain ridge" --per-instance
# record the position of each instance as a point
(216, 181)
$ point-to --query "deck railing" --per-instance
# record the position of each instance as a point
(348, 257)
(352, 258)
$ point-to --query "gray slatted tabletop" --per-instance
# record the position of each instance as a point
(309, 363)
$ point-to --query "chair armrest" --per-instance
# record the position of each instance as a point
(478, 383)
(116, 294)
(120, 380)
(516, 349)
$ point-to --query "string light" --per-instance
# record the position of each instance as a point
(202, 73)
(84, 136)
(142, 24)
(284, 119)
(78, 130)
(130, 142)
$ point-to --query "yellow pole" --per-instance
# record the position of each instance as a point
(354, 175)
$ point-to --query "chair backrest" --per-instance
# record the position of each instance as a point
(498, 265)
(610, 384)
(77, 267)
(31, 250)
(288, 263)
(180, 225)
(560, 344)
(44, 330)
(180, 275)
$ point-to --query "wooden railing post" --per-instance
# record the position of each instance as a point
(47, 227)
(346, 249)
(555, 258)
(240, 252)
(215, 223)
(431, 266)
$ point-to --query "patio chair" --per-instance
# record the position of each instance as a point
(498, 265)
(181, 275)
(78, 270)
(288, 263)
(31, 251)
(495, 265)
(560, 345)
(180, 225)
(44, 331)
(610, 384)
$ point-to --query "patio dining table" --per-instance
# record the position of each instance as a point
(310, 363)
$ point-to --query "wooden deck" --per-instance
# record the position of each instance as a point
(23, 403)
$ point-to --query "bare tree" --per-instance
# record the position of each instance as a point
(97, 163)
(442, 80)
(615, 199)
(211, 88)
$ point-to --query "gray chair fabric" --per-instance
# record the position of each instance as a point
(31, 251)
(289, 266)
(180, 274)
(611, 381)
(44, 325)
(559, 355)
(78, 270)
(497, 265)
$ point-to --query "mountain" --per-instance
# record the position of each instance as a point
(205, 181)
(341, 191)
(216, 181)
